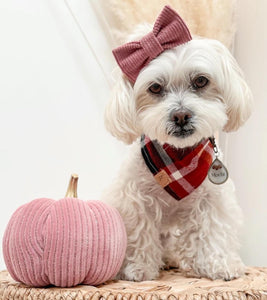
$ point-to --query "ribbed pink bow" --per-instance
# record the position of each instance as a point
(168, 32)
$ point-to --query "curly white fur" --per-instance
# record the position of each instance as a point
(199, 233)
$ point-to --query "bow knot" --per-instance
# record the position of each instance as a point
(168, 32)
(151, 45)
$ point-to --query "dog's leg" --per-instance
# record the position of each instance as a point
(169, 243)
(143, 259)
(144, 251)
(208, 244)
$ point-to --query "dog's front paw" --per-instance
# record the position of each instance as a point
(215, 269)
(225, 272)
(235, 270)
(134, 272)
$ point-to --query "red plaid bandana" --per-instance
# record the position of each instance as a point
(179, 177)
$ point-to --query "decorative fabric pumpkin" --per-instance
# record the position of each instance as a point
(65, 242)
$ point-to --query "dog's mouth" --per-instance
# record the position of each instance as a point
(181, 132)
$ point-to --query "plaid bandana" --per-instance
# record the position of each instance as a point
(178, 171)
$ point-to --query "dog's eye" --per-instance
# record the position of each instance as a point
(155, 88)
(200, 82)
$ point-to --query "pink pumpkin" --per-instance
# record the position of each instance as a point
(65, 242)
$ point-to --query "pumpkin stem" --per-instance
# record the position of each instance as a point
(72, 188)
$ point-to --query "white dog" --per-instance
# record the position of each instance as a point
(182, 97)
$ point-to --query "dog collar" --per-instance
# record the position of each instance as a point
(178, 171)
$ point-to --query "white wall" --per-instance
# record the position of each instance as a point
(52, 96)
(247, 149)
(52, 100)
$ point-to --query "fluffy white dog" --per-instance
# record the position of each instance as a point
(182, 97)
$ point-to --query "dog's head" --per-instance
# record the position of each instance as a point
(182, 96)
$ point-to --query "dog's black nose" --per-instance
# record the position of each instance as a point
(181, 118)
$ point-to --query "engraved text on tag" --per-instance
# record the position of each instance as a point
(217, 173)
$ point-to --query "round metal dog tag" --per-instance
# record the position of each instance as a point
(217, 173)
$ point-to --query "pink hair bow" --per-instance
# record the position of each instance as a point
(168, 32)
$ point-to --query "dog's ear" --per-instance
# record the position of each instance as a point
(120, 112)
(237, 95)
